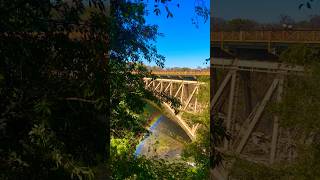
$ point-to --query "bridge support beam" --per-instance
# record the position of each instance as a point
(276, 124)
(230, 104)
(196, 100)
(247, 91)
(256, 116)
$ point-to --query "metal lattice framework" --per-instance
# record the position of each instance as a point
(186, 92)
(234, 105)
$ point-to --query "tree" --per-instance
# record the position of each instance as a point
(54, 93)
(217, 24)
(315, 21)
(302, 114)
(286, 20)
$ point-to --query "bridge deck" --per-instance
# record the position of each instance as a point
(175, 80)
(182, 73)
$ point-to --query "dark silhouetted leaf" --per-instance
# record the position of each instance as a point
(301, 5)
(308, 5)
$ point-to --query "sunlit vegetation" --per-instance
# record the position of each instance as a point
(199, 149)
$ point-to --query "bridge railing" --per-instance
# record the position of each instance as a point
(289, 36)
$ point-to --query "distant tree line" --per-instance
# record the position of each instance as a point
(157, 68)
(285, 22)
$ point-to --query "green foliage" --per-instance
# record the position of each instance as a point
(199, 149)
(199, 152)
(308, 163)
(238, 24)
(241, 24)
(303, 168)
(301, 55)
(52, 127)
(300, 105)
(250, 171)
(200, 9)
(125, 166)
(220, 24)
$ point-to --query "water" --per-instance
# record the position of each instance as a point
(166, 138)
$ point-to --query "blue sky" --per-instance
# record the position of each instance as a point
(262, 10)
(183, 44)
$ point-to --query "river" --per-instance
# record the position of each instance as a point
(166, 138)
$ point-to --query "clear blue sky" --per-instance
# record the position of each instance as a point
(183, 44)
(262, 10)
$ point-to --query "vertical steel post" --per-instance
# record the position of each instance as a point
(196, 100)
(230, 104)
(171, 84)
(182, 92)
(276, 124)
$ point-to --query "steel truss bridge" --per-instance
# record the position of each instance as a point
(244, 89)
(240, 101)
(186, 91)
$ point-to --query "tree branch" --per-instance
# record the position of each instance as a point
(80, 99)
